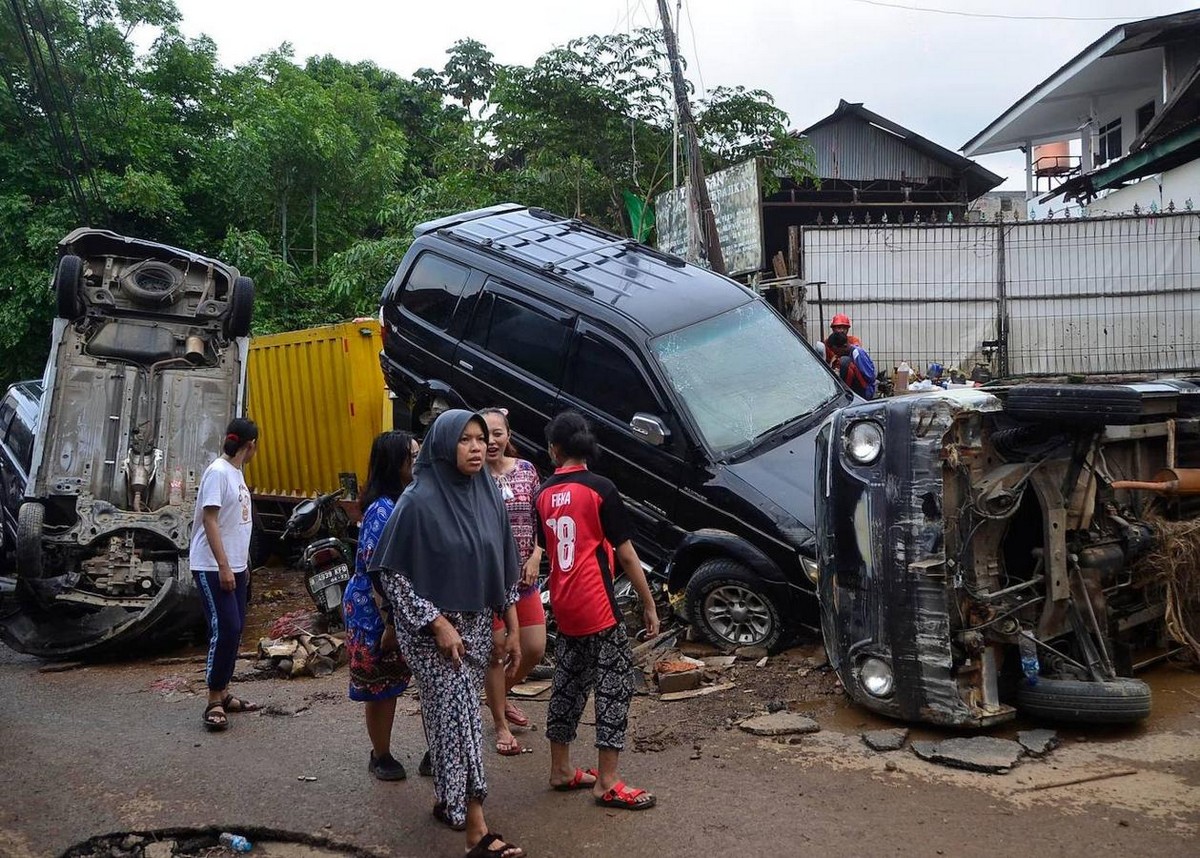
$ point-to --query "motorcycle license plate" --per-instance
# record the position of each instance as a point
(337, 575)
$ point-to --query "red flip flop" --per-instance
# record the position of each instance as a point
(515, 716)
(577, 782)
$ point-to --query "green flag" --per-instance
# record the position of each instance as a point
(641, 215)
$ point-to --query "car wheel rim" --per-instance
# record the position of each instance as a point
(738, 615)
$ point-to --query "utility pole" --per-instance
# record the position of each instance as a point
(698, 201)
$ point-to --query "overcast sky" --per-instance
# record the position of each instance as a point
(944, 76)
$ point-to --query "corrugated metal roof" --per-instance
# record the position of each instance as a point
(856, 145)
(857, 151)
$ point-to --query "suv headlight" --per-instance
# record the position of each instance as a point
(875, 676)
(864, 441)
(811, 570)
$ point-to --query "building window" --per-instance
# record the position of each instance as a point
(1109, 145)
(1145, 115)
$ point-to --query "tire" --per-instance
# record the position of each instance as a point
(152, 282)
(1118, 701)
(240, 313)
(68, 287)
(1086, 404)
(730, 606)
(31, 519)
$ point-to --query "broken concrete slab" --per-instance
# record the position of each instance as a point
(686, 680)
(1038, 742)
(720, 661)
(885, 740)
(780, 724)
(977, 753)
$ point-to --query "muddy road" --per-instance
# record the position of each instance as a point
(120, 748)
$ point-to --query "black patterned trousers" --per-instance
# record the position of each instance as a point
(599, 663)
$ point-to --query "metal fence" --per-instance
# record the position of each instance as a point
(1093, 296)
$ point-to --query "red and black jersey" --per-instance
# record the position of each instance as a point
(580, 518)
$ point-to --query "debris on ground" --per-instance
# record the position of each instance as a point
(1038, 743)
(885, 740)
(173, 688)
(61, 666)
(677, 675)
(977, 753)
(652, 743)
(295, 622)
(205, 843)
(531, 689)
(751, 653)
(303, 654)
(779, 724)
(699, 692)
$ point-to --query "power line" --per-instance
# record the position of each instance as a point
(695, 47)
(962, 14)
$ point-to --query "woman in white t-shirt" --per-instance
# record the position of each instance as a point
(219, 560)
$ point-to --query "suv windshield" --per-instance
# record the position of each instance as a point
(742, 374)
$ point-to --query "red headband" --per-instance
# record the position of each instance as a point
(232, 436)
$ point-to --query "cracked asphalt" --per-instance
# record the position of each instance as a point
(111, 748)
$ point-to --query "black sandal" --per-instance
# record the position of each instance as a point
(483, 849)
(439, 813)
(215, 722)
(234, 704)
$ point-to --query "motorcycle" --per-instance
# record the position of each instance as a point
(324, 561)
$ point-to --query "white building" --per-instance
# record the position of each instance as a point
(1117, 128)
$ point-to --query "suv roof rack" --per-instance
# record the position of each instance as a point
(580, 255)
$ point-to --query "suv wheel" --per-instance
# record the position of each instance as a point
(30, 520)
(728, 603)
(241, 308)
(68, 287)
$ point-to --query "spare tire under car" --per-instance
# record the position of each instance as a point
(1089, 404)
(1117, 701)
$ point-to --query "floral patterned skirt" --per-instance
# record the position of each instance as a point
(374, 674)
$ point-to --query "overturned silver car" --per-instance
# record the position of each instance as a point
(146, 367)
(984, 552)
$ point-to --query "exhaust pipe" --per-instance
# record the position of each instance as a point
(1169, 481)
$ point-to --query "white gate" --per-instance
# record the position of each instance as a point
(1112, 295)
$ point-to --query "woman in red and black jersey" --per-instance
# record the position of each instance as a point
(585, 527)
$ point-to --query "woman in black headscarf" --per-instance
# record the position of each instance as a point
(448, 561)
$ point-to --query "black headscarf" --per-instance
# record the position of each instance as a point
(449, 533)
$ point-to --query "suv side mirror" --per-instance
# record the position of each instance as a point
(651, 428)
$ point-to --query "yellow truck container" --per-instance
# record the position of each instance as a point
(319, 399)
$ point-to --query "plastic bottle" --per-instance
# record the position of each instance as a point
(235, 842)
(1029, 658)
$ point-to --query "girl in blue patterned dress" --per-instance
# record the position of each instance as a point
(378, 673)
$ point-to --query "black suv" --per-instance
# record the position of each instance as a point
(705, 401)
(18, 426)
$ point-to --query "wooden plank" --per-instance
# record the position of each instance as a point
(699, 692)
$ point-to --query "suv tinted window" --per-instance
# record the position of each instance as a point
(20, 441)
(603, 377)
(522, 336)
(433, 288)
(7, 409)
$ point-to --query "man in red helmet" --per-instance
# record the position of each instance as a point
(840, 324)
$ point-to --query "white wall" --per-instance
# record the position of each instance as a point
(1177, 186)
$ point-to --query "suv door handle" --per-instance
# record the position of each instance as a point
(465, 365)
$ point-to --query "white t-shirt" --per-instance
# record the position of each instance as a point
(222, 486)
